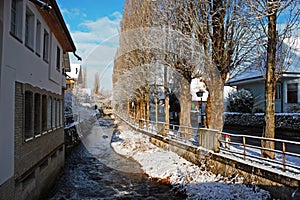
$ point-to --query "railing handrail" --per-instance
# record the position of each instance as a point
(283, 152)
(261, 138)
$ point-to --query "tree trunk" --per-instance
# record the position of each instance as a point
(215, 106)
(270, 83)
(167, 117)
(185, 107)
(129, 108)
(147, 108)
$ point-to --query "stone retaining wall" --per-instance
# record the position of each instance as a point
(74, 133)
(288, 121)
(85, 126)
(279, 185)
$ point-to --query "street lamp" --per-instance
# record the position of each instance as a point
(200, 94)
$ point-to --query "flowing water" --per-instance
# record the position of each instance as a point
(94, 171)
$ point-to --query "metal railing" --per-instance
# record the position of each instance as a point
(245, 147)
(249, 147)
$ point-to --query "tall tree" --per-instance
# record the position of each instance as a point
(220, 27)
(96, 84)
(272, 34)
(186, 26)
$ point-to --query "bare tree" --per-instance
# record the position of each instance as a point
(84, 74)
(188, 27)
(219, 27)
(96, 84)
(271, 35)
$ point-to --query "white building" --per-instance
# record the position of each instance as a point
(34, 46)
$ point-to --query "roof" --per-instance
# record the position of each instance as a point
(75, 70)
(57, 24)
(257, 70)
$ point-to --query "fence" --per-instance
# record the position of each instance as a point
(245, 147)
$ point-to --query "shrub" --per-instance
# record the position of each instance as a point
(240, 101)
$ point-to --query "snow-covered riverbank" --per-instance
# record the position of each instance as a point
(196, 181)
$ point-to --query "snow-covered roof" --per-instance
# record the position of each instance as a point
(75, 69)
(257, 69)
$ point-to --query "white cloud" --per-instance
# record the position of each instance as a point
(73, 13)
(96, 43)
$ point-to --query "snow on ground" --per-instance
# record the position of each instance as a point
(196, 181)
(266, 164)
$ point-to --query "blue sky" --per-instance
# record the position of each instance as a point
(94, 27)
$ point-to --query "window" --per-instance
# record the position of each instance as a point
(292, 93)
(49, 111)
(44, 113)
(38, 37)
(46, 46)
(60, 113)
(16, 13)
(57, 113)
(37, 114)
(29, 28)
(278, 91)
(28, 114)
(53, 113)
(58, 59)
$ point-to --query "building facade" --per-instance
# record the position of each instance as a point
(74, 77)
(34, 46)
(287, 98)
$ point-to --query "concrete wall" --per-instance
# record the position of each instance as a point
(27, 167)
(7, 88)
(6, 142)
(41, 176)
(30, 67)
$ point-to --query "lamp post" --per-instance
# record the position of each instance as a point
(200, 94)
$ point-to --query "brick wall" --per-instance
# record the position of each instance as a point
(38, 160)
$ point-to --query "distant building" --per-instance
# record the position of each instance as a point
(287, 97)
(34, 46)
(74, 77)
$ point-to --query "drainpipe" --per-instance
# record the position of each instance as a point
(78, 57)
(43, 5)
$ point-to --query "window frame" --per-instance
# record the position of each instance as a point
(49, 113)
(53, 125)
(46, 45)
(28, 115)
(58, 58)
(16, 19)
(38, 32)
(37, 114)
(292, 93)
(29, 29)
(44, 127)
